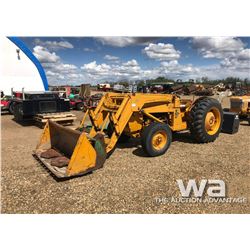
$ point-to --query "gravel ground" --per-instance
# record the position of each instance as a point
(129, 182)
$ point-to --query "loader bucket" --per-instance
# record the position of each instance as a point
(66, 152)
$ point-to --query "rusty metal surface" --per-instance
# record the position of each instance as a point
(61, 161)
(58, 172)
(50, 153)
(63, 139)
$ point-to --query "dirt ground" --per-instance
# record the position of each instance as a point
(129, 182)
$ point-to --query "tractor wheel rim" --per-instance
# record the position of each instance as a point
(159, 140)
(212, 121)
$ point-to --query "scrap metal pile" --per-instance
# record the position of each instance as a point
(198, 89)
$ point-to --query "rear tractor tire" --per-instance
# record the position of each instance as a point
(156, 139)
(205, 120)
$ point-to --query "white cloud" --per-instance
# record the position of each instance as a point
(88, 50)
(236, 64)
(244, 55)
(234, 57)
(60, 67)
(173, 69)
(128, 70)
(65, 67)
(162, 52)
(122, 41)
(60, 73)
(54, 45)
(96, 69)
(232, 54)
(131, 63)
(131, 70)
(56, 72)
(111, 58)
(44, 56)
(217, 47)
(50, 73)
(75, 75)
(217, 71)
(54, 76)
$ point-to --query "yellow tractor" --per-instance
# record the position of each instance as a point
(151, 117)
(241, 106)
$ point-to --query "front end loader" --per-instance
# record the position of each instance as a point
(118, 117)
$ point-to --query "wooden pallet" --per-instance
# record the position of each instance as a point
(64, 117)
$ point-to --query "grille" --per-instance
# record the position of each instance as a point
(48, 106)
(236, 104)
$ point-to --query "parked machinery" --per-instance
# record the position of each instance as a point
(151, 117)
(8, 101)
(33, 103)
(241, 106)
(77, 102)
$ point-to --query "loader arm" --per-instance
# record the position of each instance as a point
(68, 152)
(115, 110)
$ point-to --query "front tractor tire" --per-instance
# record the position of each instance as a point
(205, 120)
(156, 139)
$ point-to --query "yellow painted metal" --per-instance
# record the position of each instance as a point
(45, 137)
(77, 147)
(84, 118)
(209, 120)
(105, 122)
(134, 125)
(159, 140)
(128, 113)
(159, 108)
(240, 104)
(151, 116)
(212, 121)
(177, 121)
(125, 109)
(83, 158)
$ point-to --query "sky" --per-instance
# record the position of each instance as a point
(76, 60)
